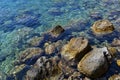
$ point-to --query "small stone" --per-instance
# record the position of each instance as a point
(50, 49)
(118, 62)
(56, 31)
(17, 69)
(76, 48)
(75, 76)
(95, 63)
(114, 77)
(102, 27)
(116, 42)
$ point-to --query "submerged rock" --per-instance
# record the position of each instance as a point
(118, 62)
(44, 68)
(76, 48)
(102, 27)
(116, 42)
(56, 31)
(114, 77)
(35, 41)
(3, 76)
(30, 54)
(49, 49)
(95, 63)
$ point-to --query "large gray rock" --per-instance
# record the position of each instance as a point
(95, 63)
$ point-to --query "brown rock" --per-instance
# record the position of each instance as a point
(56, 31)
(116, 42)
(76, 48)
(50, 49)
(118, 62)
(102, 27)
(95, 63)
(17, 69)
(30, 53)
(114, 77)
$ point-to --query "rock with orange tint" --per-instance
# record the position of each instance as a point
(76, 48)
(102, 27)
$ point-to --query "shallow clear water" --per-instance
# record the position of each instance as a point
(21, 19)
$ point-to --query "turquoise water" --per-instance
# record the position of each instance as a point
(21, 19)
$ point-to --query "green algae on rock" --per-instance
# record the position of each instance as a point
(76, 48)
(116, 42)
(102, 27)
(95, 63)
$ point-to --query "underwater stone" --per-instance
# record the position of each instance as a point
(114, 77)
(102, 27)
(116, 42)
(35, 41)
(56, 31)
(46, 67)
(30, 54)
(95, 63)
(17, 69)
(76, 48)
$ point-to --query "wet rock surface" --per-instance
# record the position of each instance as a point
(29, 55)
(102, 27)
(95, 63)
(34, 41)
(116, 42)
(76, 48)
(49, 49)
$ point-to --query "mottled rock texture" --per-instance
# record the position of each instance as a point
(76, 48)
(95, 63)
(102, 27)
